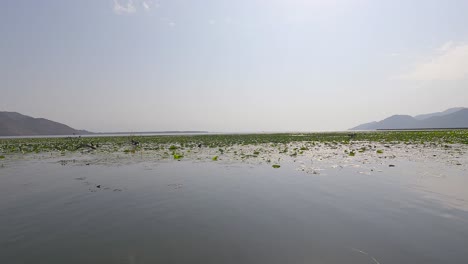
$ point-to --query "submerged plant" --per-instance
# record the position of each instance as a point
(276, 166)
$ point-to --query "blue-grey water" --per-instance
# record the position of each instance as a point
(189, 212)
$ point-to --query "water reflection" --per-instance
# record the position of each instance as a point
(192, 212)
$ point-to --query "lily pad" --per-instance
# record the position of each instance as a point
(178, 156)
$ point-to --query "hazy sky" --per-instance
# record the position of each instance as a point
(231, 65)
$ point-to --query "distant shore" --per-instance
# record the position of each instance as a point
(421, 129)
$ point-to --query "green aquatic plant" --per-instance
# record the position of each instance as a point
(281, 141)
(379, 151)
(215, 158)
(2, 157)
(177, 156)
(276, 166)
(172, 147)
(352, 153)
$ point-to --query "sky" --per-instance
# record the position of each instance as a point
(231, 66)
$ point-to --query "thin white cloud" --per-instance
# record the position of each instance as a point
(149, 4)
(124, 7)
(145, 5)
(448, 63)
(446, 46)
(131, 6)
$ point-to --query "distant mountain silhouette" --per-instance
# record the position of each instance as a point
(16, 124)
(366, 126)
(451, 118)
(446, 112)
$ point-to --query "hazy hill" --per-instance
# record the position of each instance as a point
(446, 112)
(16, 124)
(366, 126)
(457, 119)
(451, 118)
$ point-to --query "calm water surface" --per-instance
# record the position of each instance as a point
(189, 212)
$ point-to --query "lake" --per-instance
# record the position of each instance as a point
(84, 208)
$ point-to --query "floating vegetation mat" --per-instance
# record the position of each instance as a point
(136, 143)
(312, 151)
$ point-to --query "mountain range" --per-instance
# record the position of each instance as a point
(16, 124)
(451, 118)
